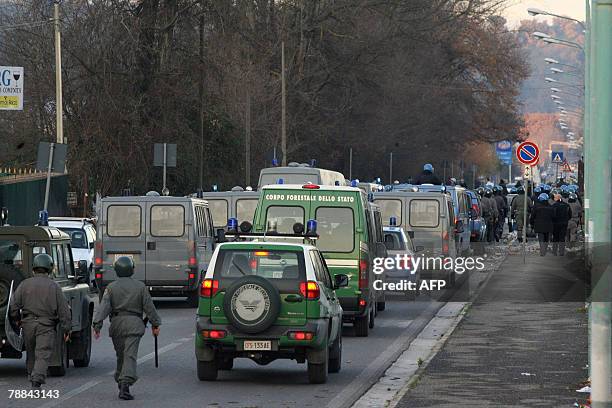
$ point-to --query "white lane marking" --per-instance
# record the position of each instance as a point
(363, 381)
(93, 383)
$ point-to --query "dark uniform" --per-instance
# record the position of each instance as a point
(125, 300)
(542, 219)
(563, 214)
(427, 176)
(39, 305)
(502, 210)
(518, 212)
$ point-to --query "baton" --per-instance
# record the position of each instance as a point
(156, 354)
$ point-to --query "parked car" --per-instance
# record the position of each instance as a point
(82, 233)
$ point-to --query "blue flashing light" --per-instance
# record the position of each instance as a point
(336, 183)
(378, 181)
(280, 181)
(232, 224)
(371, 197)
(311, 227)
(313, 162)
(214, 187)
(354, 183)
(393, 221)
(43, 218)
(275, 162)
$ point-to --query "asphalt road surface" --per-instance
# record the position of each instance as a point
(283, 383)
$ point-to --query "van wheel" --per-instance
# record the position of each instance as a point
(207, 370)
(372, 317)
(361, 325)
(335, 354)
(317, 373)
(193, 300)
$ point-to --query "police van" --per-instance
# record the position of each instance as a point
(350, 237)
(427, 217)
(300, 173)
(236, 203)
(170, 239)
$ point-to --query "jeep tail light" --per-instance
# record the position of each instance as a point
(363, 274)
(300, 335)
(98, 275)
(209, 287)
(311, 186)
(362, 302)
(310, 290)
(407, 263)
(214, 334)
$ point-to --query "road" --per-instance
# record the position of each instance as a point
(283, 383)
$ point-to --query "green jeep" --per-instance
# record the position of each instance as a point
(18, 246)
(265, 301)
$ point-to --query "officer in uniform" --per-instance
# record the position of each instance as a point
(563, 214)
(542, 219)
(502, 210)
(518, 211)
(125, 300)
(489, 212)
(575, 221)
(37, 306)
(427, 176)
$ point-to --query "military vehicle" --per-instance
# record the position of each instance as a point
(18, 247)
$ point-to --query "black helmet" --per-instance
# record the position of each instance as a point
(43, 261)
(520, 190)
(124, 267)
(487, 192)
(480, 191)
(572, 198)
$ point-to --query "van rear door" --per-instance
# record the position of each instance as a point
(423, 217)
(168, 243)
(123, 234)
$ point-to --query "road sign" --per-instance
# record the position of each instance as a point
(557, 157)
(58, 163)
(503, 150)
(11, 88)
(566, 167)
(527, 172)
(158, 155)
(528, 153)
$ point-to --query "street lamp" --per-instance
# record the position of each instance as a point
(557, 90)
(540, 35)
(534, 12)
(551, 40)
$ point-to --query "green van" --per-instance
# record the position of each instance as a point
(350, 237)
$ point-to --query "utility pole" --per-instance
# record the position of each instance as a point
(391, 168)
(598, 201)
(351, 163)
(284, 106)
(59, 114)
(201, 96)
(248, 140)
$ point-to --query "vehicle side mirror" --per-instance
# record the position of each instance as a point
(419, 248)
(381, 250)
(220, 235)
(340, 281)
(83, 271)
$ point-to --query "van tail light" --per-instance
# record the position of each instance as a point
(98, 275)
(310, 290)
(445, 239)
(407, 263)
(363, 273)
(193, 261)
(300, 335)
(98, 261)
(209, 287)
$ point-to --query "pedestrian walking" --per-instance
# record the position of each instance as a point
(38, 305)
(489, 212)
(125, 301)
(563, 213)
(518, 211)
(502, 210)
(542, 220)
(576, 220)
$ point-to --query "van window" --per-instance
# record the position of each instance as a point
(10, 255)
(284, 217)
(245, 209)
(68, 261)
(59, 268)
(123, 221)
(167, 220)
(218, 210)
(390, 208)
(336, 228)
(200, 221)
(424, 213)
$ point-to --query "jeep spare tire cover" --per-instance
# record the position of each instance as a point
(251, 304)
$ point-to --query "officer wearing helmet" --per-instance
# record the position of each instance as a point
(125, 301)
(518, 211)
(37, 306)
(575, 221)
(542, 220)
(427, 176)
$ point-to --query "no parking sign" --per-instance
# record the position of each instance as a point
(528, 153)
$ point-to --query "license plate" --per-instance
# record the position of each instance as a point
(257, 345)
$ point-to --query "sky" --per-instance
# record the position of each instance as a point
(517, 9)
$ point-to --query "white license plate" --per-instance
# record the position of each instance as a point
(257, 345)
(117, 256)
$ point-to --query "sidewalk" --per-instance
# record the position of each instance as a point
(523, 343)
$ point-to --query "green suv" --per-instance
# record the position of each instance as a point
(265, 301)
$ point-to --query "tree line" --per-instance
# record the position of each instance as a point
(423, 79)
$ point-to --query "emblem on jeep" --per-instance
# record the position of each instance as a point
(250, 303)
